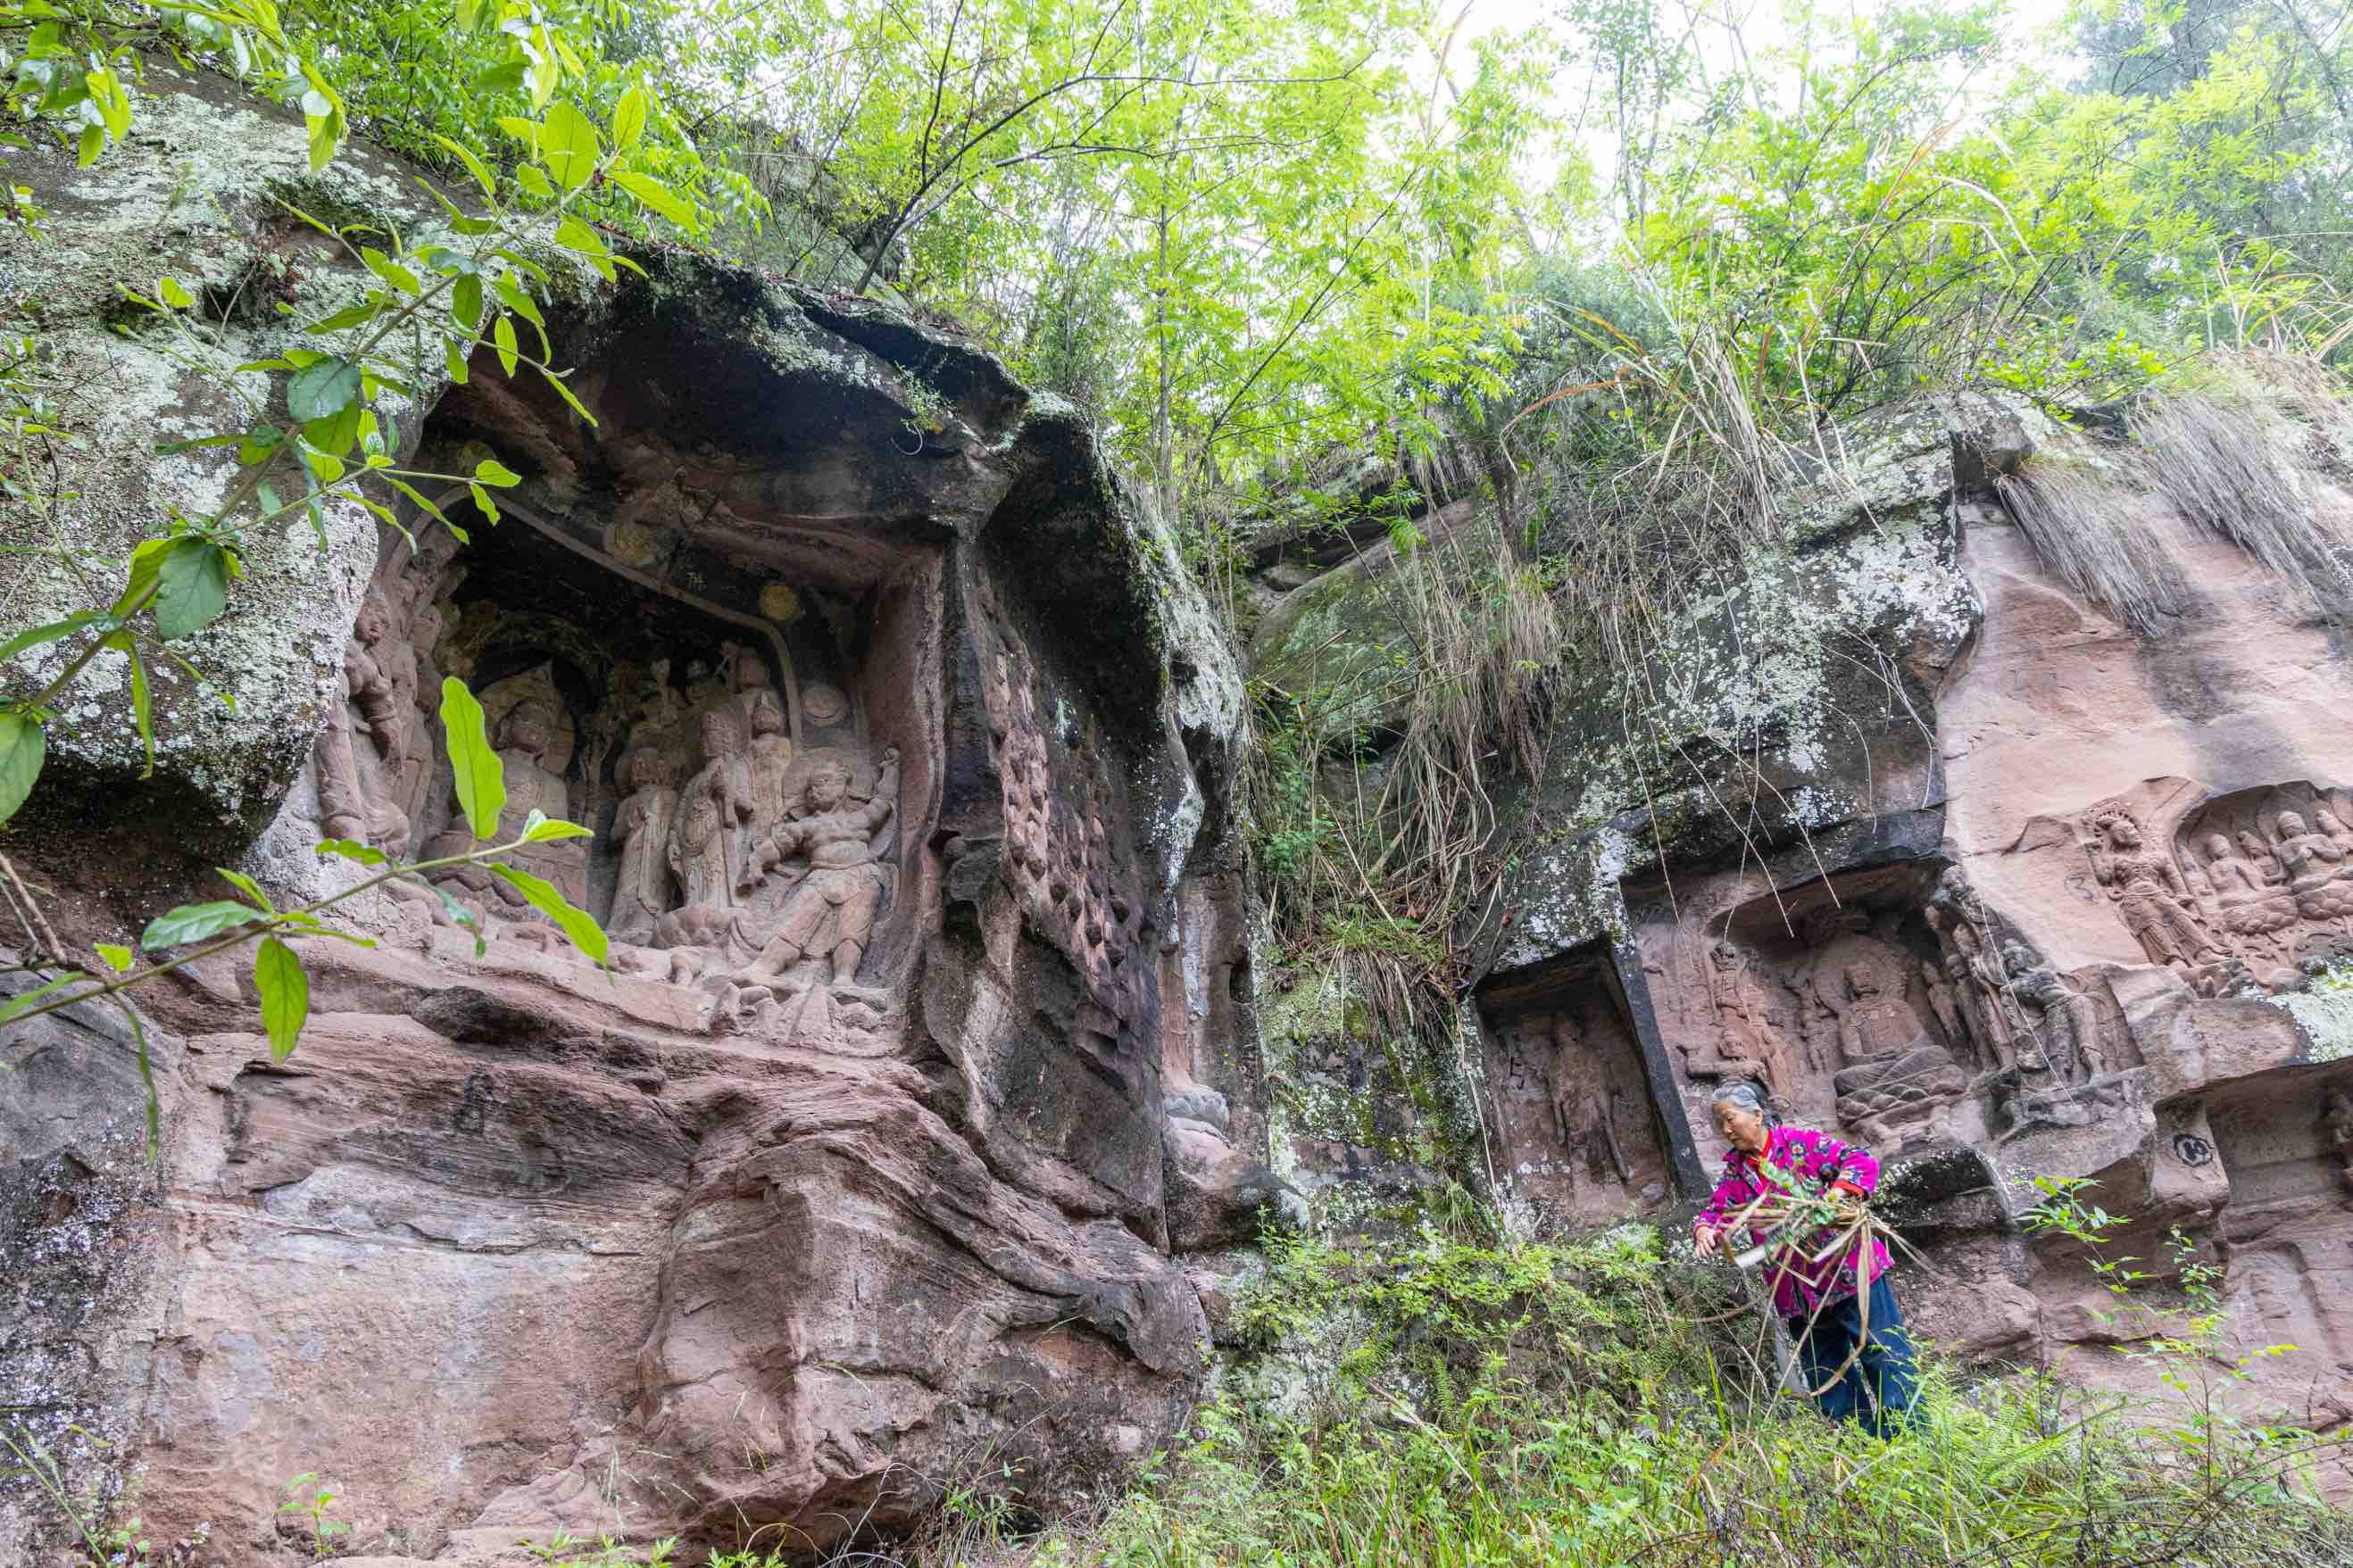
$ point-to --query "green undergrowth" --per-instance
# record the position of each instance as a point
(1443, 1402)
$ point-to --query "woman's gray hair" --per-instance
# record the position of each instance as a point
(1744, 1096)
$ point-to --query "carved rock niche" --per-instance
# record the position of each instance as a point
(1886, 1004)
(690, 708)
(858, 1160)
(1569, 1105)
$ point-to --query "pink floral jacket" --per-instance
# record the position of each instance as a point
(1816, 1160)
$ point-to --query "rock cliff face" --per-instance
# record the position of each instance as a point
(1953, 861)
(923, 1058)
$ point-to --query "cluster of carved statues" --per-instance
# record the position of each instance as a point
(1900, 1036)
(2246, 897)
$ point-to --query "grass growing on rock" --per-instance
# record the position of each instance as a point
(1444, 1401)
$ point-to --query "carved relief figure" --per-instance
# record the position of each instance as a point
(2151, 898)
(830, 912)
(1584, 1104)
(1942, 1002)
(523, 738)
(1875, 1024)
(642, 828)
(714, 811)
(2337, 1123)
(1984, 984)
(2253, 905)
(771, 753)
(2314, 862)
(1748, 1045)
(2062, 1027)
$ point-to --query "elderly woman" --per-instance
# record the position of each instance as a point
(1821, 1301)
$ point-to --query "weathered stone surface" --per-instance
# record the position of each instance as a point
(2036, 898)
(907, 739)
(194, 195)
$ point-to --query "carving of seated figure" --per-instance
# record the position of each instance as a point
(1896, 1074)
(2253, 905)
(2313, 861)
(1875, 1025)
(830, 912)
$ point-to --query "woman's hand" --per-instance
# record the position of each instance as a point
(1706, 1239)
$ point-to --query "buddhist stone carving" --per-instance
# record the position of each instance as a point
(642, 893)
(2316, 864)
(2151, 898)
(828, 915)
(707, 852)
(1748, 1045)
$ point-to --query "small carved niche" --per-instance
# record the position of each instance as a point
(1569, 1105)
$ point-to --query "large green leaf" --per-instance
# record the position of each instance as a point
(191, 588)
(568, 146)
(23, 744)
(196, 923)
(323, 389)
(585, 933)
(479, 779)
(657, 195)
(285, 995)
(48, 634)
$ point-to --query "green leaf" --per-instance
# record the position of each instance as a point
(93, 143)
(658, 197)
(190, 588)
(568, 146)
(24, 1002)
(539, 829)
(179, 298)
(248, 886)
(535, 181)
(503, 335)
(574, 235)
(564, 391)
(367, 309)
(466, 301)
(474, 165)
(285, 995)
(629, 118)
(23, 744)
(48, 634)
(480, 779)
(391, 271)
(584, 932)
(485, 504)
(143, 701)
(456, 911)
(323, 388)
(334, 436)
(453, 361)
(146, 562)
(117, 957)
(351, 849)
(491, 471)
(194, 922)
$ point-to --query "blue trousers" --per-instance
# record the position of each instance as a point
(1877, 1391)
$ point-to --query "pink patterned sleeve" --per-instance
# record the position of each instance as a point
(1851, 1162)
(1729, 1193)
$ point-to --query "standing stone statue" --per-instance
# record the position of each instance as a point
(642, 827)
(1984, 985)
(1748, 1045)
(2058, 1016)
(830, 912)
(2151, 898)
(771, 754)
(1942, 1002)
(523, 739)
(714, 813)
